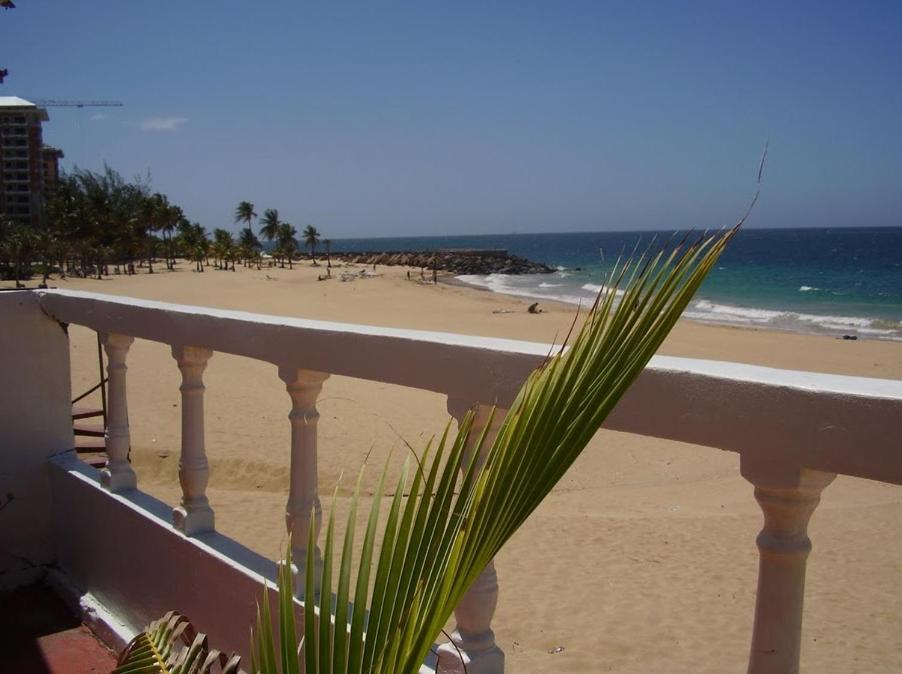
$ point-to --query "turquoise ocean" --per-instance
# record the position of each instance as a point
(842, 281)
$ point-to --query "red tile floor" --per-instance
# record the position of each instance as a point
(38, 635)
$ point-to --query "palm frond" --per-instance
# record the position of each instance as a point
(458, 513)
(171, 645)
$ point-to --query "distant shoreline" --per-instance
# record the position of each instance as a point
(705, 312)
(831, 281)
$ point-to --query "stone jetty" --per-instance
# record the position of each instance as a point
(454, 261)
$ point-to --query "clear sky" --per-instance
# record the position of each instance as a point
(378, 119)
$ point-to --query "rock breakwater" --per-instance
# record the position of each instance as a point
(454, 261)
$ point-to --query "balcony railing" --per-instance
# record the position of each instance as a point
(793, 431)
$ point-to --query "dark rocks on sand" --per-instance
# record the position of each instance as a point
(455, 261)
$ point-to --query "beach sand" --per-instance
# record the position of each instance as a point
(643, 559)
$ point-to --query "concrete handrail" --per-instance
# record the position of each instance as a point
(794, 431)
(834, 423)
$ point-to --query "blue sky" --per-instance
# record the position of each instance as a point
(371, 119)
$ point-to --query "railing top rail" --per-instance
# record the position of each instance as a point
(483, 369)
(830, 422)
(816, 382)
(306, 324)
(134, 323)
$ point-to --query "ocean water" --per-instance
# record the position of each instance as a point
(842, 281)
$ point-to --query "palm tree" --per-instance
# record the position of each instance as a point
(245, 213)
(64, 211)
(170, 218)
(194, 243)
(149, 221)
(222, 247)
(46, 243)
(201, 247)
(287, 243)
(165, 218)
(270, 228)
(100, 218)
(20, 241)
(311, 237)
(271, 222)
(108, 229)
(248, 244)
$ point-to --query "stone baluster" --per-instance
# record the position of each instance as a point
(118, 475)
(303, 507)
(788, 496)
(194, 515)
(473, 635)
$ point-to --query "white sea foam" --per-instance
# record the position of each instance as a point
(525, 286)
(595, 289)
(704, 308)
(701, 310)
(710, 312)
(807, 289)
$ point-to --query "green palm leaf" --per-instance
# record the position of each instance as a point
(457, 515)
(171, 645)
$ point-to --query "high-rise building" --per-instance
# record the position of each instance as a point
(51, 157)
(21, 159)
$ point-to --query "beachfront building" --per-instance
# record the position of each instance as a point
(124, 557)
(23, 161)
(50, 159)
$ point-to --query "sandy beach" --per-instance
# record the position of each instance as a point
(643, 559)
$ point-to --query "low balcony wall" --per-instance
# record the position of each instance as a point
(793, 431)
(35, 424)
(123, 550)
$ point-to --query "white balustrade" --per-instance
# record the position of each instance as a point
(194, 515)
(118, 475)
(793, 431)
(474, 650)
(787, 495)
(303, 507)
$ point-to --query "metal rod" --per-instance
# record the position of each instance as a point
(102, 379)
(91, 390)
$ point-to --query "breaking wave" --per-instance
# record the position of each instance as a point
(711, 312)
(528, 285)
(701, 310)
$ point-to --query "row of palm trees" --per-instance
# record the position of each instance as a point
(95, 223)
(90, 222)
(280, 235)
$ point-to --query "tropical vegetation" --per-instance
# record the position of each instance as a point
(448, 516)
(224, 249)
(245, 213)
(98, 223)
(286, 243)
(311, 238)
(90, 223)
(327, 243)
(270, 224)
(171, 645)
(249, 247)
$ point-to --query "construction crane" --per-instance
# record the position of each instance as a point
(53, 103)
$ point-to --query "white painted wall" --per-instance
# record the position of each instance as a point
(123, 550)
(35, 423)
